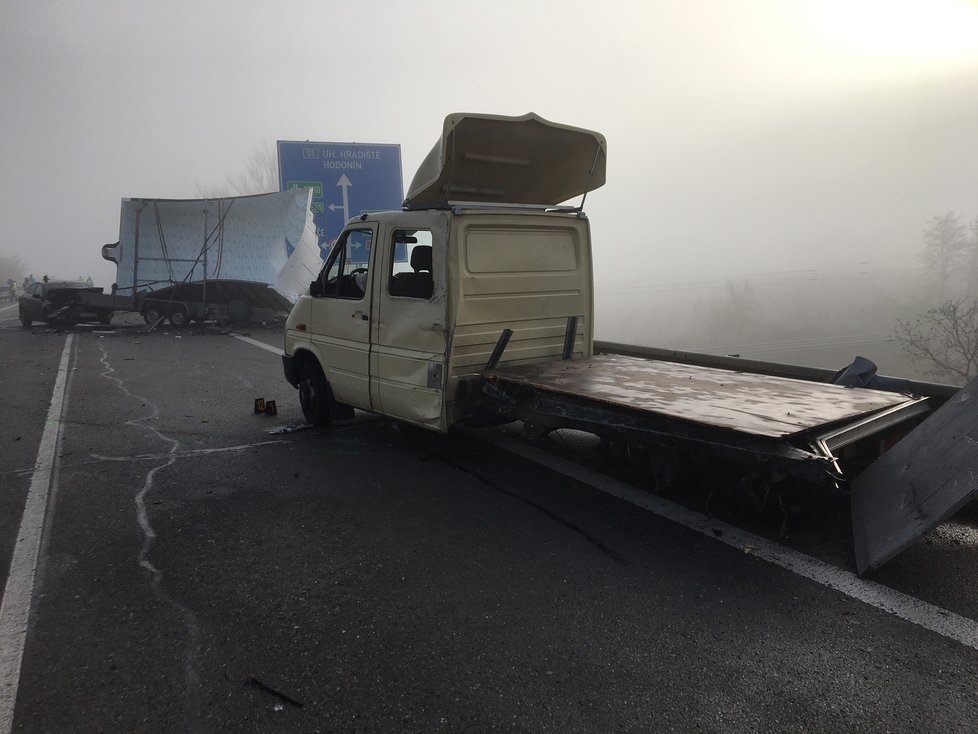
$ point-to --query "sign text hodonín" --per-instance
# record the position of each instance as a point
(346, 179)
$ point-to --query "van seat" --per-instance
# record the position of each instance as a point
(418, 284)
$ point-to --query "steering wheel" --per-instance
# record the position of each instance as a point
(357, 271)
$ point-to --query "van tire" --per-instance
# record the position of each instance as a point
(315, 395)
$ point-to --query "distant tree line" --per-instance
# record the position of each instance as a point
(943, 340)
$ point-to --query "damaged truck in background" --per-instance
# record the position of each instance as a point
(234, 259)
(474, 303)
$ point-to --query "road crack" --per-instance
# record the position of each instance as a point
(193, 693)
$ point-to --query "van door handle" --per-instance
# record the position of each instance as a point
(361, 314)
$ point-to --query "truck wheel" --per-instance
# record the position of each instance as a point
(152, 314)
(314, 395)
(25, 320)
(105, 317)
(178, 317)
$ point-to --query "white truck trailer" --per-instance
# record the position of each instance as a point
(230, 259)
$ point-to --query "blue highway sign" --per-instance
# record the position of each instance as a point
(346, 179)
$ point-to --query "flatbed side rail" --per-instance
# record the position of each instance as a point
(775, 369)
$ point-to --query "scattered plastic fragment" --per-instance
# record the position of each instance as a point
(290, 429)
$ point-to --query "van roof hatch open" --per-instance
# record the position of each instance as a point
(508, 160)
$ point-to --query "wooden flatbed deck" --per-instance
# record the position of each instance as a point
(773, 407)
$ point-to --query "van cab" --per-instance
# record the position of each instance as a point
(410, 304)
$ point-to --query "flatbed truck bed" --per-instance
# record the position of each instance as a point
(800, 427)
(898, 455)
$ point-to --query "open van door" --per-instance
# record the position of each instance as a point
(923, 480)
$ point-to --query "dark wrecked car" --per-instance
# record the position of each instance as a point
(59, 302)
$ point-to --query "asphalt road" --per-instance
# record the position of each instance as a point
(199, 572)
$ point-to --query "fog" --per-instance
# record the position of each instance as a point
(771, 141)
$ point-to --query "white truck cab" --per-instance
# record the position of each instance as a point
(410, 304)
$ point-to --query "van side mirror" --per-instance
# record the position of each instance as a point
(315, 288)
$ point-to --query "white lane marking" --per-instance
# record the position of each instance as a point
(16, 607)
(263, 345)
(930, 617)
(7, 308)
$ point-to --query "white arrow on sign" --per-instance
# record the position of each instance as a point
(345, 183)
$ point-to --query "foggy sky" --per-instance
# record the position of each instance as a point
(743, 135)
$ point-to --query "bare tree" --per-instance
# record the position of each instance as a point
(944, 340)
(259, 176)
(739, 299)
(973, 249)
(733, 317)
(11, 268)
(945, 247)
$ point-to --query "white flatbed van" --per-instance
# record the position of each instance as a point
(475, 302)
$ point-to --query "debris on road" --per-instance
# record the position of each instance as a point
(255, 683)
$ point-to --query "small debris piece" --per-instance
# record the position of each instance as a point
(290, 429)
(254, 682)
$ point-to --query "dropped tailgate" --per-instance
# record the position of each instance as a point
(920, 482)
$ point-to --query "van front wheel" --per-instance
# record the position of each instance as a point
(314, 395)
